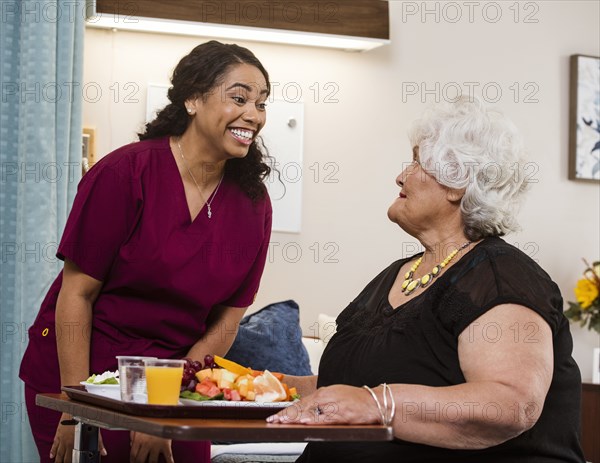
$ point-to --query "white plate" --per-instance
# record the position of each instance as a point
(229, 403)
(111, 391)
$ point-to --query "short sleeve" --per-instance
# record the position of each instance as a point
(495, 276)
(246, 293)
(101, 217)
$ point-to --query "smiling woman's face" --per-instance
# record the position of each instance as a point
(228, 119)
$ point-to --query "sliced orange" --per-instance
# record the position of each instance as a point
(268, 388)
(232, 366)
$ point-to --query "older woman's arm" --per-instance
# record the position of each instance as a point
(506, 356)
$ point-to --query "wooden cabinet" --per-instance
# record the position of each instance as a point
(590, 421)
(358, 18)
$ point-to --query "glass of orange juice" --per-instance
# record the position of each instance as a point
(163, 380)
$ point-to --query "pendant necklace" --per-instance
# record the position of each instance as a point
(211, 197)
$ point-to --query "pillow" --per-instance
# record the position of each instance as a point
(327, 327)
(315, 348)
(271, 339)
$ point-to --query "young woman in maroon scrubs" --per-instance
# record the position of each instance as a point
(164, 248)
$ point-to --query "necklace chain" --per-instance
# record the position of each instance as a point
(211, 197)
(409, 285)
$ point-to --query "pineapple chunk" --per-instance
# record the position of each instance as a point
(206, 373)
(245, 384)
(224, 384)
(228, 376)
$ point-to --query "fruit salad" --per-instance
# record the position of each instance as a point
(222, 379)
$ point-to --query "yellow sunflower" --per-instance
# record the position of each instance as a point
(586, 292)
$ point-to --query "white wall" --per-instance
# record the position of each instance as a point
(363, 135)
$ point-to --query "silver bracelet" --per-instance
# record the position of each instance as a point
(377, 402)
(387, 417)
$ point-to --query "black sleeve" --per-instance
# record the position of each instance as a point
(500, 274)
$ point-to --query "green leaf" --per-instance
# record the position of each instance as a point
(573, 313)
(110, 381)
(193, 396)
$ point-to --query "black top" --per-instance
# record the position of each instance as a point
(418, 344)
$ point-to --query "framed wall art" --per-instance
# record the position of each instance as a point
(584, 119)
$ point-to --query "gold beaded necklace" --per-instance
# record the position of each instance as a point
(409, 285)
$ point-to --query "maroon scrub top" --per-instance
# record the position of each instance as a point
(130, 227)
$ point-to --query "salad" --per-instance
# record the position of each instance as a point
(222, 379)
(108, 377)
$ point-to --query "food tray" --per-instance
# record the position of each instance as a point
(186, 409)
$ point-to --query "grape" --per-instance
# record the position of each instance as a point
(208, 361)
(214, 365)
(196, 365)
(192, 386)
(188, 379)
(188, 375)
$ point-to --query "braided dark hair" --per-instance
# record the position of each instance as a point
(195, 76)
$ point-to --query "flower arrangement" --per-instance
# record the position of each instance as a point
(587, 292)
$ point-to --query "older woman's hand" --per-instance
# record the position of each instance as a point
(337, 404)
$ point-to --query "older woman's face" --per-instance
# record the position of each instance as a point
(422, 202)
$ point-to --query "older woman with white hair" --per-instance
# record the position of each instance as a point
(463, 349)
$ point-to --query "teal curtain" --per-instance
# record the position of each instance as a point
(41, 67)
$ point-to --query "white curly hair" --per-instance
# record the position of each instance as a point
(465, 145)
